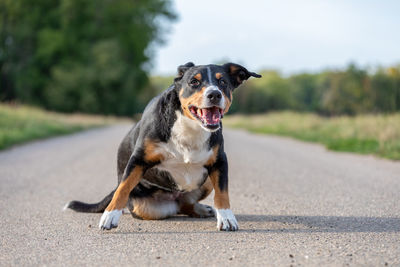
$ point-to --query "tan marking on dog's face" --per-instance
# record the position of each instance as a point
(221, 198)
(213, 157)
(197, 76)
(233, 69)
(150, 152)
(227, 102)
(121, 195)
(228, 99)
(196, 99)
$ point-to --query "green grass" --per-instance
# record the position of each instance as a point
(366, 134)
(20, 124)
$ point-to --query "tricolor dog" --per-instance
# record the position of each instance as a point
(174, 156)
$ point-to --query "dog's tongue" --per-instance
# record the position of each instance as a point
(211, 115)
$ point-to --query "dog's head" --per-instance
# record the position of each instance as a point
(205, 92)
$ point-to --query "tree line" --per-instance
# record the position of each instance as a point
(77, 55)
(94, 57)
(349, 91)
(353, 90)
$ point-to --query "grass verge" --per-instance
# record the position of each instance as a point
(365, 134)
(20, 124)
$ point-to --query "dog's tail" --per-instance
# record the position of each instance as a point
(90, 208)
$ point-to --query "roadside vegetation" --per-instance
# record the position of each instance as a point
(366, 134)
(351, 91)
(332, 92)
(19, 124)
(94, 57)
(80, 56)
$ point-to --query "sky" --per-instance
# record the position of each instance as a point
(288, 35)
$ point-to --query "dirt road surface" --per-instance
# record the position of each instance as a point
(296, 204)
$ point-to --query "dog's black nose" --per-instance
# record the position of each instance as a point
(214, 96)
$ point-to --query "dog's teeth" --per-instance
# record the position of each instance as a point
(199, 112)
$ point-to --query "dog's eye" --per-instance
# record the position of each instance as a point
(194, 82)
(222, 82)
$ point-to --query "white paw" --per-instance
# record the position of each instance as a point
(226, 221)
(110, 219)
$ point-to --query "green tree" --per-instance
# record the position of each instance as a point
(70, 55)
(272, 92)
(351, 91)
(304, 88)
(383, 91)
(348, 92)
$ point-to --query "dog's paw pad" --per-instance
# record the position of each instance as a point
(226, 221)
(110, 219)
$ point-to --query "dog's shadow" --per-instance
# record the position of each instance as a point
(307, 224)
(334, 224)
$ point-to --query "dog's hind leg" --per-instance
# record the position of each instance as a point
(189, 202)
(150, 208)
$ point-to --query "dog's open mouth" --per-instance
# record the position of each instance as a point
(210, 117)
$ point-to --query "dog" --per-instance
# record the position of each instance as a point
(174, 156)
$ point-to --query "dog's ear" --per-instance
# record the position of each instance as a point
(238, 73)
(182, 69)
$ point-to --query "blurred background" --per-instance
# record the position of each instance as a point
(329, 58)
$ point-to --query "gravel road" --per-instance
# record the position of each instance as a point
(296, 204)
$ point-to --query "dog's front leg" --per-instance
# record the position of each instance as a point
(226, 221)
(111, 215)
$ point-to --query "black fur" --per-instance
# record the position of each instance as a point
(91, 208)
(156, 123)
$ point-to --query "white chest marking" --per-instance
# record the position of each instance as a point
(186, 153)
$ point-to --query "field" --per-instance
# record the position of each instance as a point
(366, 134)
(22, 123)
